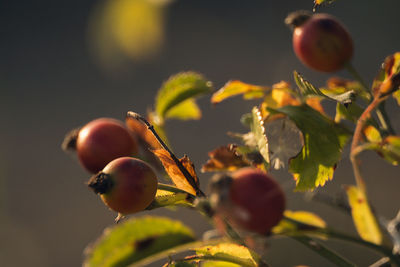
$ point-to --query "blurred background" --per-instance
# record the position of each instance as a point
(64, 63)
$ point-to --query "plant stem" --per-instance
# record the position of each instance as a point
(182, 168)
(381, 112)
(324, 251)
(357, 137)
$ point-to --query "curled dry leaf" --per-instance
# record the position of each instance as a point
(224, 158)
(175, 173)
(140, 130)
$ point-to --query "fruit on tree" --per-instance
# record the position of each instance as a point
(126, 185)
(102, 140)
(248, 199)
(320, 41)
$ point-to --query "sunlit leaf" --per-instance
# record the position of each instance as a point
(178, 88)
(233, 88)
(258, 134)
(282, 95)
(176, 174)
(389, 149)
(230, 252)
(187, 110)
(372, 134)
(388, 78)
(363, 217)
(307, 89)
(323, 143)
(165, 198)
(136, 239)
(305, 217)
(224, 158)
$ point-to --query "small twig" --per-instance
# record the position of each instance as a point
(182, 168)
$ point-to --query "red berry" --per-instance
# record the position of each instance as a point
(102, 140)
(126, 185)
(253, 200)
(320, 41)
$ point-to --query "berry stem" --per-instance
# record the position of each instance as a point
(182, 168)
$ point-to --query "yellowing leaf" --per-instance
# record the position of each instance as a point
(176, 174)
(282, 95)
(364, 220)
(372, 134)
(224, 158)
(165, 198)
(230, 252)
(323, 143)
(236, 87)
(389, 149)
(306, 217)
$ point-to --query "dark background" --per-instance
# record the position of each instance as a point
(51, 82)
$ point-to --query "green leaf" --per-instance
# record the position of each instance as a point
(323, 143)
(229, 252)
(363, 217)
(233, 88)
(136, 239)
(178, 88)
(350, 112)
(389, 149)
(186, 110)
(258, 136)
(168, 195)
(307, 89)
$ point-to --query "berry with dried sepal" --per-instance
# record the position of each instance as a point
(126, 185)
(320, 41)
